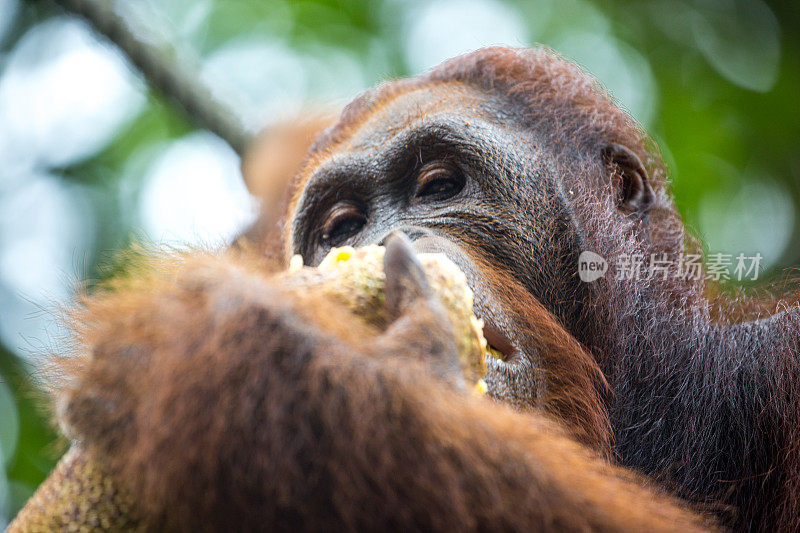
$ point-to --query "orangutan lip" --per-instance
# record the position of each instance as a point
(495, 339)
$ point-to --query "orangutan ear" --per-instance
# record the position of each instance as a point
(630, 179)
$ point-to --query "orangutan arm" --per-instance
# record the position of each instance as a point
(223, 402)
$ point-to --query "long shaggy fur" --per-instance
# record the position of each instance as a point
(703, 399)
(225, 402)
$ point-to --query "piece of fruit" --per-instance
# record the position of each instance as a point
(355, 278)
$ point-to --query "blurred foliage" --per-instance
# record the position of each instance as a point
(716, 82)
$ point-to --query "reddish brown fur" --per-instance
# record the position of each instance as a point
(704, 401)
(573, 386)
(285, 413)
(227, 403)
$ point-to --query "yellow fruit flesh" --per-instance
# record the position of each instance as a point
(355, 278)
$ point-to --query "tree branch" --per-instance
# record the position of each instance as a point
(180, 87)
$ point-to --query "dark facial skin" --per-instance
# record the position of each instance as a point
(447, 166)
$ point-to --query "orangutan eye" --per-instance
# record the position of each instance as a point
(439, 181)
(343, 221)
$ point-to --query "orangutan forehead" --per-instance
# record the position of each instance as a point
(413, 108)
